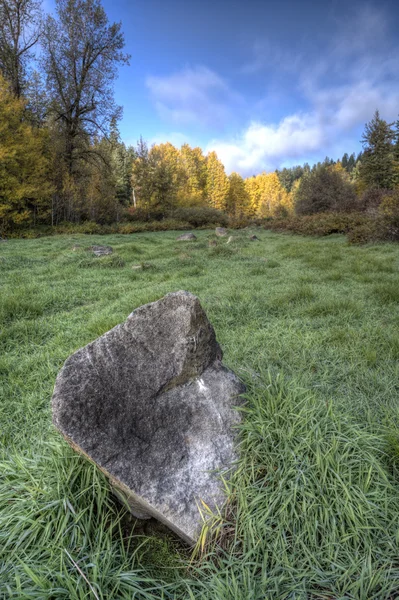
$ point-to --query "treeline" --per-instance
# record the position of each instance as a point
(62, 160)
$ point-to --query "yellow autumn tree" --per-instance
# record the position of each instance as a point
(237, 201)
(254, 193)
(166, 175)
(217, 182)
(273, 197)
(194, 165)
(24, 179)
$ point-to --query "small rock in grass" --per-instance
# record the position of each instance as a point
(221, 231)
(212, 243)
(231, 238)
(254, 238)
(101, 250)
(137, 267)
(185, 237)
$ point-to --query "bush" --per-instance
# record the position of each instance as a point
(143, 214)
(371, 199)
(324, 190)
(199, 216)
(359, 227)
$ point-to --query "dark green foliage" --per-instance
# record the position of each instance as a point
(201, 216)
(377, 168)
(324, 190)
(287, 177)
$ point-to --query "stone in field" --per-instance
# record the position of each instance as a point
(101, 250)
(221, 231)
(186, 237)
(254, 238)
(152, 405)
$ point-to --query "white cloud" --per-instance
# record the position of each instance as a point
(194, 96)
(264, 147)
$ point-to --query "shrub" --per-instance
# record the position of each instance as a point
(371, 199)
(324, 190)
(143, 214)
(199, 216)
(359, 227)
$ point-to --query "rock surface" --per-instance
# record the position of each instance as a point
(101, 250)
(186, 237)
(151, 403)
(221, 231)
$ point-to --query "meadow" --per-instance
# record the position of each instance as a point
(311, 325)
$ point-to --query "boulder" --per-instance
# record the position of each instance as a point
(186, 237)
(221, 231)
(101, 250)
(152, 405)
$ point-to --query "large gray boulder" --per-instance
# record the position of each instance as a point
(152, 405)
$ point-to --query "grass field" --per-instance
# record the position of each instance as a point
(310, 325)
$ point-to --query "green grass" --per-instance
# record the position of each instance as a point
(310, 325)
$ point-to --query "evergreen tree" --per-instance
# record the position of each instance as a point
(377, 169)
(345, 161)
(351, 163)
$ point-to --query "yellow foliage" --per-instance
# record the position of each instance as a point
(267, 195)
(24, 187)
(389, 206)
(217, 183)
(237, 202)
(193, 191)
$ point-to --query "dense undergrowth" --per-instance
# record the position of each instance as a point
(359, 227)
(312, 327)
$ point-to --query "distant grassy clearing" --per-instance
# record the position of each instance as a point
(311, 325)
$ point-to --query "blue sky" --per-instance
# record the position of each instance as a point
(265, 83)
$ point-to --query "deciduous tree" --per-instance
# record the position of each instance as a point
(24, 167)
(217, 182)
(19, 32)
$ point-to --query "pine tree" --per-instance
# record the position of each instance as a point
(377, 169)
(345, 161)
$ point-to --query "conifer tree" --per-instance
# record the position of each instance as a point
(377, 170)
